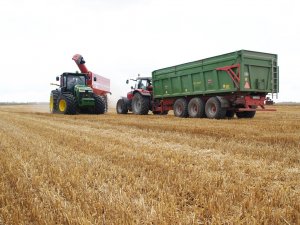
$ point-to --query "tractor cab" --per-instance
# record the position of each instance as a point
(68, 81)
(142, 83)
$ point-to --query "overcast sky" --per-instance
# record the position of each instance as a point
(122, 38)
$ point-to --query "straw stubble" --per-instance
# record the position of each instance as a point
(127, 169)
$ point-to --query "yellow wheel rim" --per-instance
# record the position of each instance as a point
(51, 103)
(62, 105)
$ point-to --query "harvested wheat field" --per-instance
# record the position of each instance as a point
(127, 169)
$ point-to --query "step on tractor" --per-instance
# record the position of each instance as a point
(218, 87)
(75, 96)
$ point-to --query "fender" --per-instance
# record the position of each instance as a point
(142, 92)
(224, 102)
(127, 102)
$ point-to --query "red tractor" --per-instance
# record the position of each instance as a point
(99, 84)
(139, 98)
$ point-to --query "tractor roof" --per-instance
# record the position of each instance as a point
(144, 78)
(74, 74)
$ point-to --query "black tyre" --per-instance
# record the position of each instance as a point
(180, 108)
(196, 108)
(105, 100)
(67, 104)
(229, 114)
(122, 107)
(99, 105)
(165, 112)
(140, 104)
(213, 109)
(53, 101)
(246, 114)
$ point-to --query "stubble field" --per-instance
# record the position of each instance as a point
(127, 169)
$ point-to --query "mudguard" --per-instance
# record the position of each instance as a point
(142, 92)
(127, 102)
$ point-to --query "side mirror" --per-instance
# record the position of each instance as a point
(95, 78)
(57, 78)
(127, 81)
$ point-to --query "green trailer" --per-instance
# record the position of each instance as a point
(216, 87)
(241, 71)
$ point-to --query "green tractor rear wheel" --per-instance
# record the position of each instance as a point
(67, 104)
(99, 105)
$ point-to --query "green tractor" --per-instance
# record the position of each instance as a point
(74, 96)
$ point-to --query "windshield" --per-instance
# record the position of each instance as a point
(74, 80)
(142, 84)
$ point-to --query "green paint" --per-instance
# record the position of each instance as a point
(258, 73)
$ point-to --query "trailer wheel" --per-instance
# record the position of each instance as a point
(196, 108)
(140, 104)
(165, 112)
(67, 104)
(180, 108)
(53, 101)
(246, 114)
(122, 107)
(105, 100)
(213, 109)
(99, 105)
(229, 114)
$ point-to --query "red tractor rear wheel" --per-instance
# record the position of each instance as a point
(140, 104)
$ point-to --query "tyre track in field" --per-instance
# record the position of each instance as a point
(204, 128)
(211, 135)
(113, 176)
(141, 179)
(140, 169)
(176, 173)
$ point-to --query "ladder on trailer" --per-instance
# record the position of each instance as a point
(275, 79)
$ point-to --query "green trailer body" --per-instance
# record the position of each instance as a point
(237, 72)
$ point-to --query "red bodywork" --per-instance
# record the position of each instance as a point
(100, 85)
(141, 91)
(246, 103)
(234, 76)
